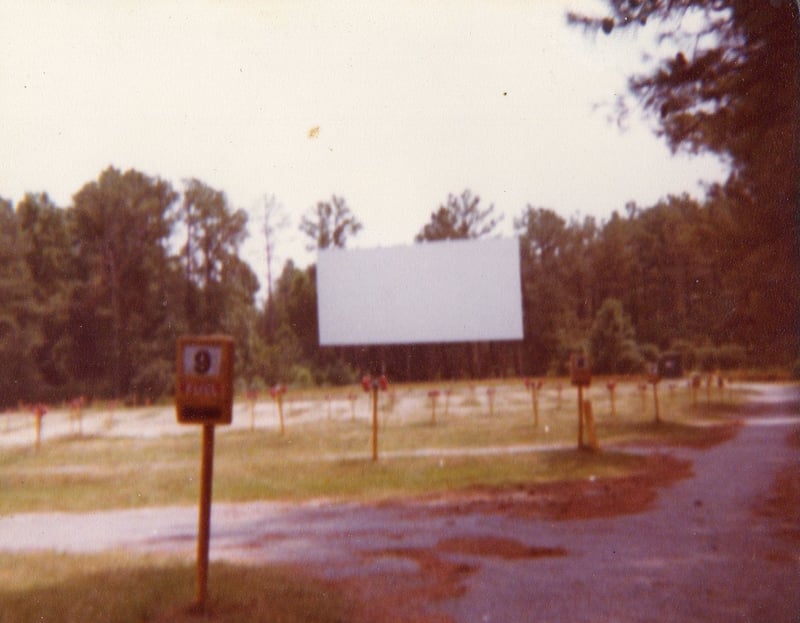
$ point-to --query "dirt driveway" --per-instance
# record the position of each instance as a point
(713, 536)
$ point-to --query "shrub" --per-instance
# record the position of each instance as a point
(687, 352)
(155, 380)
(707, 358)
(630, 358)
(649, 352)
(731, 356)
(611, 342)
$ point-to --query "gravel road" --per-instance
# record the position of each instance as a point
(701, 552)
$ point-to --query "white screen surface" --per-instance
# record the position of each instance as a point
(451, 291)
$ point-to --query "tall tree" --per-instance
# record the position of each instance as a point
(329, 224)
(733, 88)
(19, 326)
(543, 242)
(122, 224)
(459, 217)
(45, 229)
(214, 233)
(297, 334)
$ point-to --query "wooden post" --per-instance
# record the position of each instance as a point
(38, 415)
(533, 385)
(204, 520)
(643, 394)
(612, 390)
(434, 398)
(592, 434)
(375, 422)
(655, 402)
(580, 416)
(352, 398)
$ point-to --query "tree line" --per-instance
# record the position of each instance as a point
(94, 295)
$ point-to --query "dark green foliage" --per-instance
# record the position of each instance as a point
(20, 316)
(122, 223)
(731, 356)
(92, 298)
(543, 240)
(733, 89)
(84, 311)
(611, 342)
(50, 256)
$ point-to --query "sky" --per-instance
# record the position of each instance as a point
(393, 105)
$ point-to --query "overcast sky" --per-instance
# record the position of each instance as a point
(392, 105)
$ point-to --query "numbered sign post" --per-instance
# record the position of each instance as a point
(204, 395)
(374, 384)
(581, 376)
(654, 378)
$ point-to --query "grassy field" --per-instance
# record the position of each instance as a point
(325, 452)
(121, 588)
(331, 456)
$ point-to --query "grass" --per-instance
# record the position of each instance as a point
(119, 588)
(328, 457)
(245, 471)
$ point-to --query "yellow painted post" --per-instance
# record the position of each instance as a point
(204, 395)
(580, 373)
(643, 395)
(589, 417)
(280, 413)
(277, 392)
(204, 520)
(38, 415)
(612, 390)
(655, 402)
(375, 422)
(533, 385)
